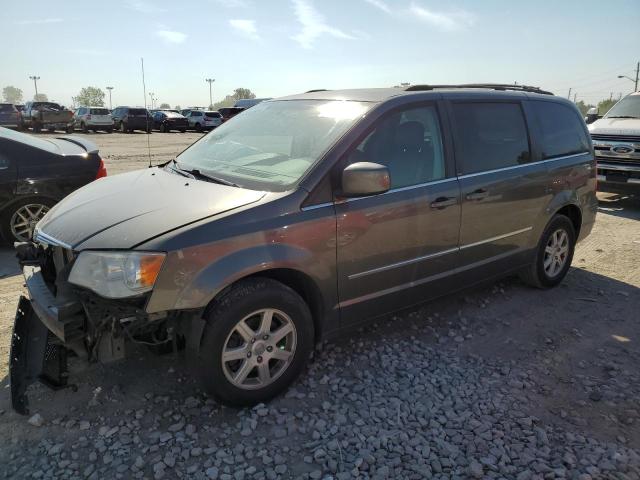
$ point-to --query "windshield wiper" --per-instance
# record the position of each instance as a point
(622, 116)
(195, 173)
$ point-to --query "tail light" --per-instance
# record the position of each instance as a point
(102, 170)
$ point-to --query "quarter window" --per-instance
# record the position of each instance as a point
(489, 136)
(409, 143)
(561, 130)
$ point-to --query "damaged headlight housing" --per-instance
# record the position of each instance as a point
(116, 274)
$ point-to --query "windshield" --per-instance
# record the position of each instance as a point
(629, 106)
(272, 145)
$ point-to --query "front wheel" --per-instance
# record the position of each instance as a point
(257, 339)
(123, 129)
(553, 255)
(20, 219)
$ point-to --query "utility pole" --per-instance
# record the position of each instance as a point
(110, 88)
(35, 82)
(210, 82)
(569, 95)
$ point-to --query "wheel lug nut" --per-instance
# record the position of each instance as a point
(248, 354)
(266, 337)
(253, 340)
(269, 348)
(259, 359)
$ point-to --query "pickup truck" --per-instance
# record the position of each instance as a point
(47, 115)
(616, 140)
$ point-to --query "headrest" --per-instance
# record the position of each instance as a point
(410, 135)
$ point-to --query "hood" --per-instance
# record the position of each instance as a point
(615, 126)
(124, 210)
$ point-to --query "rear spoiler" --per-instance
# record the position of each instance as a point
(88, 145)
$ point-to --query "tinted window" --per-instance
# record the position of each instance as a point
(489, 136)
(136, 111)
(409, 144)
(7, 107)
(561, 129)
(213, 115)
(99, 111)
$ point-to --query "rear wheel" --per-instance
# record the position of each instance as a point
(20, 218)
(183, 130)
(163, 128)
(109, 130)
(83, 127)
(198, 127)
(257, 340)
(122, 128)
(553, 255)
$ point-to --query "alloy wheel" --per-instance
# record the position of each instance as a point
(259, 349)
(556, 253)
(25, 219)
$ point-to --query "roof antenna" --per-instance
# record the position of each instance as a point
(144, 90)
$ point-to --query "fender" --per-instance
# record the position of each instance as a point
(198, 280)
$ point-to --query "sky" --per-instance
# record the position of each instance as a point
(280, 47)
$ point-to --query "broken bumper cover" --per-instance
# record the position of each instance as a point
(41, 327)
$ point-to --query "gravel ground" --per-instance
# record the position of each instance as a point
(501, 381)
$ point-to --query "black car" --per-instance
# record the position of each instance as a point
(128, 119)
(229, 112)
(36, 173)
(166, 120)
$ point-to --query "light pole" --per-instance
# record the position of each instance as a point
(210, 81)
(110, 88)
(635, 82)
(35, 82)
(152, 100)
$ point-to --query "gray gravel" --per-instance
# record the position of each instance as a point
(394, 408)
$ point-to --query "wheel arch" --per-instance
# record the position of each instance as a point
(574, 214)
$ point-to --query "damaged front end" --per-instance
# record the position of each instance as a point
(60, 319)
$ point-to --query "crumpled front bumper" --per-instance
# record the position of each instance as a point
(42, 327)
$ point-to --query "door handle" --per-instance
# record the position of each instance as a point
(478, 194)
(443, 202)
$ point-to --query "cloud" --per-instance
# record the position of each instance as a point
(448, 21)
(379, 4)
(171, 36)
(245, 27)
(40, 21)
(313, 25)
(144, 6)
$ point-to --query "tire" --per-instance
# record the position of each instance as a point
(109, 130)
(558, 234)
(36, 128)
(198, 127)
(122, 128)
(242, 304)
(10, 216)
(183, 130)
(83, 127)
(163, 128)
(51, 130)
(70, 129)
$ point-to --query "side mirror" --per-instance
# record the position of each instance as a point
(365, 178)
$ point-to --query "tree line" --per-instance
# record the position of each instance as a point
(94, 97)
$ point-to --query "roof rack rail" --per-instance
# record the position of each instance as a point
(317, 90)
(491, 86)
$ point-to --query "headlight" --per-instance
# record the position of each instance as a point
(116, 274)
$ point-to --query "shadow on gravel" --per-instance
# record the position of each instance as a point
(626, 206)
(8, 262)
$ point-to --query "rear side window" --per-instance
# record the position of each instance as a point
(561, 130)
(489, 136)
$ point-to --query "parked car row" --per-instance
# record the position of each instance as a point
(51, 116)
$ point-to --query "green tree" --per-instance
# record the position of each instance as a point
(605, 105)
(12, 94)
(91, 97)
(40, 97)
(164, 106)
(583, 107)
(229, 100)
(177, 107)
